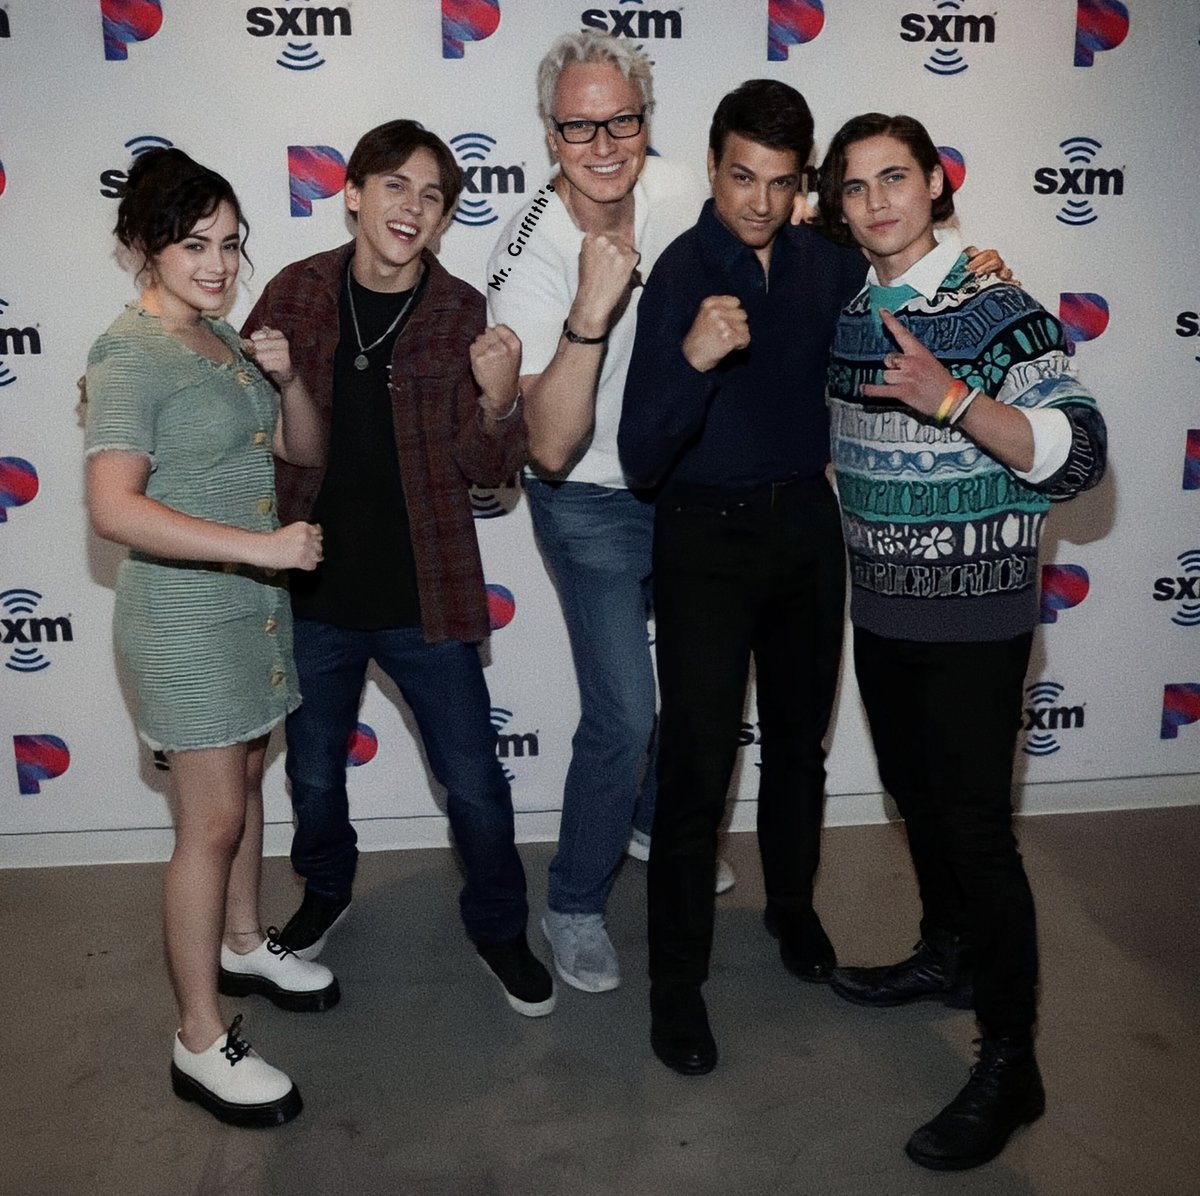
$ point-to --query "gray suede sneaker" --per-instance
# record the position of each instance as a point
(583, 953)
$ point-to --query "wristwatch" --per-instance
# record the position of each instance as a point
(576, 339)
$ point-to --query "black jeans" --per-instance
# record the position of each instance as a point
(739, 575)
(944, 720)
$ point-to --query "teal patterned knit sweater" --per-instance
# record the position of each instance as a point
(943, 538)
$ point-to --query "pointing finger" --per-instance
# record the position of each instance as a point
(904, 338)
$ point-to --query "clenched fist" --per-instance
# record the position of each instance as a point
(720, 327)
(269, 347)
(296, 546)
(606, 267)
(496, 364)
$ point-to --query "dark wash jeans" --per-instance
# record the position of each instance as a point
(944, 719)
(444, 687)
(762, 575)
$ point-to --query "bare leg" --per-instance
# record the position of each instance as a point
(209, 830)
(242, 931)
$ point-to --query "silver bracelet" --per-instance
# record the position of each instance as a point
(501, 418)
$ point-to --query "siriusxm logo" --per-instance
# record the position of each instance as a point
(1044, 716)
(1080, 178)
(1183, 588)
(39, 758)
(750, 735)
(1099, 25)
(1180, 707)
(1063, 587)
(792, 23)
(314, 172)
(471, 150)
(487, 502)
(113, 182)
(28, 632)
(512, 745)
(1191, 460)
(948, 29)
(1083, 315)
(300, 25)
(467, 21)
(639, 23)
(15, 341)
(1187, 323)
(127, 21)
(18, 484)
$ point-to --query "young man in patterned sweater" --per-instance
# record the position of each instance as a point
(955, 423)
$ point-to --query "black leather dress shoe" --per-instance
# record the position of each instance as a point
(1004, 1092)
(940, 969)
(679, 1031)
(804, 946)
(688, 1054)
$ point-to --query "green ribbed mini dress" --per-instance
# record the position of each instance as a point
(208, 645)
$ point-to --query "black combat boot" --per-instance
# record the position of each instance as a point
(1004, 1092)
(941, 968)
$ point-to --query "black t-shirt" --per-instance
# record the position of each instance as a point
(368, 579)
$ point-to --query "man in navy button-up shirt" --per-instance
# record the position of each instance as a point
(725, 411)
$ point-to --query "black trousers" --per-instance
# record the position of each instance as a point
(944, 719)
(737, 576)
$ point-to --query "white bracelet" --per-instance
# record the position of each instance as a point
(500, 418)
(959, 411)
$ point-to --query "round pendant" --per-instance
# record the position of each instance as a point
(361, 362)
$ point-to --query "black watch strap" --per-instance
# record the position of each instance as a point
(576, 339)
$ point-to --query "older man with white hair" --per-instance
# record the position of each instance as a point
(566, 276)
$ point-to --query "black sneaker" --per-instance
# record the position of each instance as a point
(526, 983)
(305, 934)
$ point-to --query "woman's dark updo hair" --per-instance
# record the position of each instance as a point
(166, 195)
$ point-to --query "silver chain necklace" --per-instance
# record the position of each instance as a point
(361, 361)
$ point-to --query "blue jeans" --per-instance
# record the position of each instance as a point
(444, 687)
(597, 542)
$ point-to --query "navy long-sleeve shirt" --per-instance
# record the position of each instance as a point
(759, 416)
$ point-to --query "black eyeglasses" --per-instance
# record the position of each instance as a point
(579, 132)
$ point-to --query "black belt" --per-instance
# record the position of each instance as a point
(725, 500)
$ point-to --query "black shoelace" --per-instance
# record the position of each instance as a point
(236, 1047)
(274, 946)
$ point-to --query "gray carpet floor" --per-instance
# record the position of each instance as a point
(423, 1081)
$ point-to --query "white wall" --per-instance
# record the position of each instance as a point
(210, 76)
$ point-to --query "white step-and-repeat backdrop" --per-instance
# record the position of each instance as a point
(1070, 124)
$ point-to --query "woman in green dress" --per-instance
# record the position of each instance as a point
(182, 424)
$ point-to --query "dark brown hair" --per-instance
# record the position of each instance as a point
(388, 146)
(765, 111)
(167, 193)
(832, 174)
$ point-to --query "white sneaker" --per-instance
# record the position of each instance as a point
(639, 845)
(726, 878)
(583, 953)
(274, 972)
(639, 848)
(233, 1082)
